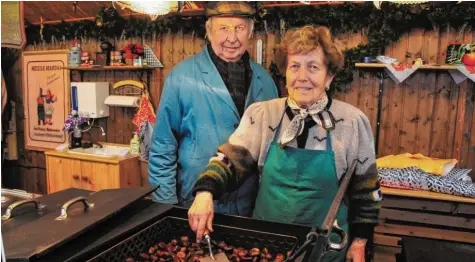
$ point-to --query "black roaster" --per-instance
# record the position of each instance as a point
(144, 223)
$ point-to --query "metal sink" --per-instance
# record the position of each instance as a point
(107, 151)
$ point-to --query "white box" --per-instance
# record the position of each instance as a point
(88, 99)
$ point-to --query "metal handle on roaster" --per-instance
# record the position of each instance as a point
(318, 240)
(9, 211)
(64, 209)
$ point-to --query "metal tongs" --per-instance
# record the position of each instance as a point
(208, 241)
(219, 257)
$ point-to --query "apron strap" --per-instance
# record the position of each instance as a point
(277, 129)
(329, 141)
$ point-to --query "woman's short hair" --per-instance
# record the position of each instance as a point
(306, 39)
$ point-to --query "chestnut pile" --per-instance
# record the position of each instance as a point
(185, 250)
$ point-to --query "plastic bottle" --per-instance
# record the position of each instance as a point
(76, 138)
(135, 144)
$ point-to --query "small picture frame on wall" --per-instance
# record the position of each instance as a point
(46, 98)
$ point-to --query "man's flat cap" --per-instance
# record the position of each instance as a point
(225, 8)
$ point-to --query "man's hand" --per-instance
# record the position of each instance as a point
(201, 213)
(356, 252)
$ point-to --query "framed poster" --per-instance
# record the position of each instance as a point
(13, 27)
(45, 98)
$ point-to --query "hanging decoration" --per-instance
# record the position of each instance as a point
(99, 20)
(282, 27)
(383, 26)
(75, 6)
(42, 26)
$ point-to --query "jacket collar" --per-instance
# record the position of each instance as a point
(213, 79)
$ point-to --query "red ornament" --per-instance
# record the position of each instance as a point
(469, 59)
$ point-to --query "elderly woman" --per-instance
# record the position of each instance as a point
(301, 145)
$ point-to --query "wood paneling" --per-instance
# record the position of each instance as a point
(428, 113)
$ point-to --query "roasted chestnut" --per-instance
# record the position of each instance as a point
(172, 248)
(162, 246)
(181, 255)
(255, 252)
(242, 252)
(228, 249)
(279, 258)
(246, 258)
(183, 250)
(185, 240)
(235, 258)
(289, 253)
(165, 254)
(174, 242)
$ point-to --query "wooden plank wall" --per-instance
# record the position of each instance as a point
(427, 114)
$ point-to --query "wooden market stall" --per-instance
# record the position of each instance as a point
(428, 113)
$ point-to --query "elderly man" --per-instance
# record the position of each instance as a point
(202, 102)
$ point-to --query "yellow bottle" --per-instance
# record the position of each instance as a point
(135, 144)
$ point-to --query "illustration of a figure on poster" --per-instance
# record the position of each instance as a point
(45, 108)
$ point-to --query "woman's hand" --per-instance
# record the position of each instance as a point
(356, 252)
(201, 213)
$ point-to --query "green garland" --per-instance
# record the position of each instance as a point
(384, 26)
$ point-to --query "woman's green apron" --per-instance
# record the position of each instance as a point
(298, 186)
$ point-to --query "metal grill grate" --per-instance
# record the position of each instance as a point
(173, 228)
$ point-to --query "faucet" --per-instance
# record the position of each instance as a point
(90, 137)
(103, 134)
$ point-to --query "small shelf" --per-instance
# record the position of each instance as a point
(139, 70)
(111, 68)
(427, 67)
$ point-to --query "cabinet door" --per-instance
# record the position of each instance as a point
(63, 173)
(96, 176)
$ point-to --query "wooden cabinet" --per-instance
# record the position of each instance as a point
(65, 170)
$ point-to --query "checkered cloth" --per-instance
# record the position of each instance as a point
(150, 57)
(225, 8)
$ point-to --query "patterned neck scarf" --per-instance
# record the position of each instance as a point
(296, 126)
